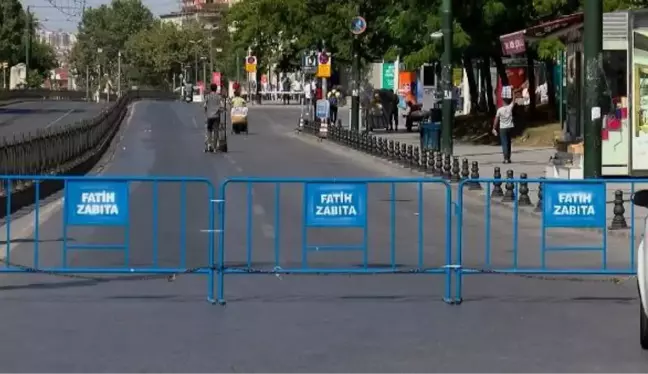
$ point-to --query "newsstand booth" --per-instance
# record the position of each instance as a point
(624, 74)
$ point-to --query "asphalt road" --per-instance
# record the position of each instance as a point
(381, 323)
(31, 116)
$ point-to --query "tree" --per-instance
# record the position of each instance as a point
(108, 28)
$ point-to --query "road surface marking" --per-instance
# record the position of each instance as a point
(59, 119)
(239, 169)
(193, 119)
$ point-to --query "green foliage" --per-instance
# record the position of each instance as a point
(108, 28)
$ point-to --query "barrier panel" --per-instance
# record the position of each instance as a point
(334, 226)
(567, 234)
(113, 225)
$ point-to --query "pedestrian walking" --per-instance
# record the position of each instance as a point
(503, 124)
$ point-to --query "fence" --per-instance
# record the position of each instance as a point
(332, 226)
(104, 218)
(72, 149)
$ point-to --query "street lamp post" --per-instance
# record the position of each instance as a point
(119, 74)
(195, 44)
(447, 118)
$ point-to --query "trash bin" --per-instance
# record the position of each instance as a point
(430, 133)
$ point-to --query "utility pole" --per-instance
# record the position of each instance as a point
(119, 74)
(355, 92)
(593, 44)
(204, 61)
(324, 80)
(447, 119)
(28, 35)
(196, 66)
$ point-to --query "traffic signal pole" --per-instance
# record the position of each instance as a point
(447, 118)
(355, 94)
(593, 44)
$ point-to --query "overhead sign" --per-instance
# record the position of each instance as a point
(96, 203)
(388, 72)
(251, 64)
(336, 204)
(358, 25)
(323, 65)
(574, 205)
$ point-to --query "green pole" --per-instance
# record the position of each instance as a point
(355, 98)
(593, 44)
(446, 78)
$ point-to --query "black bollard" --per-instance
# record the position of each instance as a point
(390, 150)
(375, 147)
(403, 159)
(455, 176)
(409, 161)
(397, 151)
(465, 170)
(424, 160)
(381, 148)
(509, 194)
(524, 199)
(447, 166)
(438, 164)
(474, 176)
(430, 162)
(539, 205)
(619, 221)
(497, 183)
(416, 161)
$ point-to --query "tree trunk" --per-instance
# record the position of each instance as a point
(501, 69)
(472, 83)
(485, 68)
(551, 86)
(531, 78)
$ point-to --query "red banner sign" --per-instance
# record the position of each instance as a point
(216, 78)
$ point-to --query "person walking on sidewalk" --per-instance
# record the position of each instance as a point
(503, 124)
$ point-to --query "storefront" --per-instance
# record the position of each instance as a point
(624, 74)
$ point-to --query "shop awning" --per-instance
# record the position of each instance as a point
(515, 43)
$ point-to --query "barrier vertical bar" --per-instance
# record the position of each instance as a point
(277, 220)
(604, 258)
(8, 224)
(183, 224)
(392, 224)
(420, 225)
(221, 243)
(248, 225)
(487, 234)
(154, 241)
(449, 265)
(127, 235)
(304, 228)
(516, 218)
(65, 224)
(210, 243)
(36, 222)
(365, 239)
(543, 241)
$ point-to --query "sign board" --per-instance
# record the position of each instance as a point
(323, 65)
(336, 204)
(575, 205)
(388, 72)
(251, 64)
(457, 76)
(309, 63)
(96, 203)
(322, 109)
(358, 25)
(216, 78)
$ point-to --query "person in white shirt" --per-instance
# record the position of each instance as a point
(503, 125)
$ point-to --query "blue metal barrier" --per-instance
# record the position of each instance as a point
(571, 211)
(338, 207)
(106, 203)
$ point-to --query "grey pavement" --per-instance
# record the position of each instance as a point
(31, 116)
(380, 323)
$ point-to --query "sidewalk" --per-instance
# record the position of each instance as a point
(533, 162)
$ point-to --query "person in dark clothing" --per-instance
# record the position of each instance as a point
(393, 121)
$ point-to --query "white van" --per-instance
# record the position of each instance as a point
(640, 198)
